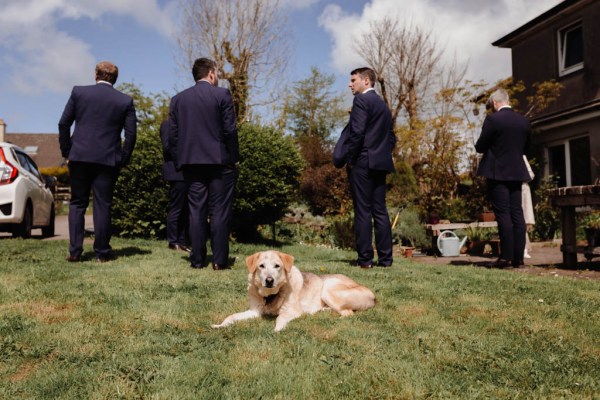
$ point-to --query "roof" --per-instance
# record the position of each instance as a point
(43, 148)
(554, 13)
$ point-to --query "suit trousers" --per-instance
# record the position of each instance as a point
(368, 187)
(210, 197)
(177, 213)
(100, 180)
(507, 203)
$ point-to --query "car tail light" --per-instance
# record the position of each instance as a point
(8, 172)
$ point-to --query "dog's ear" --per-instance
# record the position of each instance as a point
(251, 262)
(288, 261)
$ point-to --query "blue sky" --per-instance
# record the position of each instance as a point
(47, 46)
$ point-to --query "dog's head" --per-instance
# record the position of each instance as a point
(269, 269)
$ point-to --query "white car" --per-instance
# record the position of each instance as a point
(26, 200)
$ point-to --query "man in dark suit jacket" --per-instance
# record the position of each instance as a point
(504, 139)
(177, 211)
(204, 144)
(368, 157)
(94, 154)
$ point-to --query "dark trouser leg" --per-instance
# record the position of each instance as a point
(198, 209)
(81, 183)
(221, 189)
(103, 186)
(177, 214)
(361, 189)
(381, 219)
(507, 204)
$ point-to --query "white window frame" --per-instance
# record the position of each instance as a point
(567, 144)
(561, 40)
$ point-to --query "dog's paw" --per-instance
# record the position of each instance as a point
(346, 313)
(216, 326)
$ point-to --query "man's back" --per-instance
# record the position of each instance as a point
(100, 113)
(504, 139)
(203, 126)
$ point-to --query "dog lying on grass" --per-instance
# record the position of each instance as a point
(277, 288)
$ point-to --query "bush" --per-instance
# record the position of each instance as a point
(60, 173)
(547, 218)
(341, 231)
(326, 190)
(410, 228)
(269, 173)
(141, 195)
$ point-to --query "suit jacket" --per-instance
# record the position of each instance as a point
(504, 139)
(340, 150)
(371, 136)
(169, 171)
(100, 113)
(203, 127)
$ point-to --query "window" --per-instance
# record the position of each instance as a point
(570, 49)
(570, 163)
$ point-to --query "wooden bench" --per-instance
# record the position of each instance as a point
(567, 199)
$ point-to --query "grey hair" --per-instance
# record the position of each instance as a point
(500, 96)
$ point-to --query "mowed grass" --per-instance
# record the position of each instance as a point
(139, 327)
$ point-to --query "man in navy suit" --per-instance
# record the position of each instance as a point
(95, 154)
(177, 211)
(204, 144)
(368, 157)
(504, 138)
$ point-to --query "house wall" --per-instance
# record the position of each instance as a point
(535, 59)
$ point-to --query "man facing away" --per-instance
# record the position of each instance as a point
(504, 138)
(368, 158)
(177, 210)
(204, 144)
(95, 154)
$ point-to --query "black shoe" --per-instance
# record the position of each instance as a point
(518, 263)
(220, 267)
(384, 265)
(73, 258)
(103, 259)
(179, 247)
(356, 263)
(197, 266)
(500, 263)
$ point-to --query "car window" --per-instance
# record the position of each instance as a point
(29, 165)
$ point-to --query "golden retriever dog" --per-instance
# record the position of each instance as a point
(277, 288)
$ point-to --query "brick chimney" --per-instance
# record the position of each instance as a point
(2, 131)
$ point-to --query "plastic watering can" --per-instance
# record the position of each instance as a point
(449, 244)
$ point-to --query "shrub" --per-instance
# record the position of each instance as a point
(269, 173)
(410, 228)
(326, 190)
(60, 173)
(547, 218)
(341, 231)
(141, 194)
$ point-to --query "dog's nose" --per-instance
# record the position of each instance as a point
(269, 282)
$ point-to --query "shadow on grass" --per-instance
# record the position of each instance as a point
(118, 253)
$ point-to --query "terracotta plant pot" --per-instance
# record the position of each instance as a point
(487, 216)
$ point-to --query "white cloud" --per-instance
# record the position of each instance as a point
(465, 29)
(297, 4)
(36, 56)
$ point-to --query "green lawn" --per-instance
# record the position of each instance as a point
(139, 327)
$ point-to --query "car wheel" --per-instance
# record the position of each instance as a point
(24, 228)
(48, 231)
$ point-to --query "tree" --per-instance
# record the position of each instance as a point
(246, 38)
(141, 194)
(405, 59)
(312, 111)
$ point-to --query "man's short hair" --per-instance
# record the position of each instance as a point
(365, 72)
(107, 71)
(201, 68)
(499, 96)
